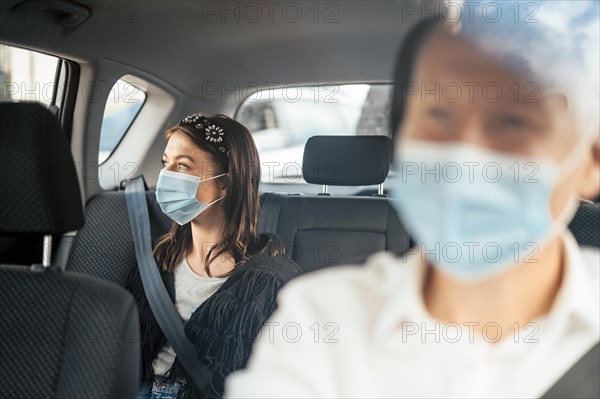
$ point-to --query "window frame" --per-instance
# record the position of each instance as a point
(302, 182)
(69, 70)
(128, 126)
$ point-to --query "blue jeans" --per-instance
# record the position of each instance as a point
(159, 389)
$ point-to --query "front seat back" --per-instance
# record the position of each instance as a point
(63, 335)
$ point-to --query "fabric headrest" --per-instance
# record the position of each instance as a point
(39, 191)
(347, 160)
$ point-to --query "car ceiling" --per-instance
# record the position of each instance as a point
(192, 47)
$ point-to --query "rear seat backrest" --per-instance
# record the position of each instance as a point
(321, 231)
(104, 246)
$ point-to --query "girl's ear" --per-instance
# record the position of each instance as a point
(222, 184)
(590, 181)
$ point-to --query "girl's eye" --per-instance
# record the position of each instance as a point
(163, 163)
(182, 166)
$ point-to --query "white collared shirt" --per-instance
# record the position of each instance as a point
(365, 332)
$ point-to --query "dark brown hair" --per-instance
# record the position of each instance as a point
(241, 204)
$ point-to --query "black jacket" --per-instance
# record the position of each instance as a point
(224, 327)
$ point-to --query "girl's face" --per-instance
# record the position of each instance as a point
(183, 156)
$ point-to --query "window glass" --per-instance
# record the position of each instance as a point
(282, 120)
(26, 75)
(122, 106)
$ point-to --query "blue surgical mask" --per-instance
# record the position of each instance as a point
(473, 212)
(176, 195)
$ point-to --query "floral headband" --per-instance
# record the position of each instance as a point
(213, 133)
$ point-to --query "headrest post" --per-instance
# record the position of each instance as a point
(47, 254)
(380, 189)
(325, 189)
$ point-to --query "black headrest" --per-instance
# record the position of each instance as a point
(39, 192)
(347, 160)
(584, 225)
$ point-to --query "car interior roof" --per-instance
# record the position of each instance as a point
(176, 49)
(187, 43)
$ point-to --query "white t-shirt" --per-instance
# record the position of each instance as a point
(191, 290)
(364, 331)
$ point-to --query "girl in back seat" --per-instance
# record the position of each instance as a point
(221, 274)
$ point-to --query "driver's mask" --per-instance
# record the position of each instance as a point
(475, 212)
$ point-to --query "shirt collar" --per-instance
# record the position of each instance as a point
(577, 299)
(403, 279)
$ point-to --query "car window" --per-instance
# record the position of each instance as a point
(27, 75)
(122, 106)
(283, 119)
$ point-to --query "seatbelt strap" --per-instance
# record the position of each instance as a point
(269, 213)
(158, 298)
(581, 381)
